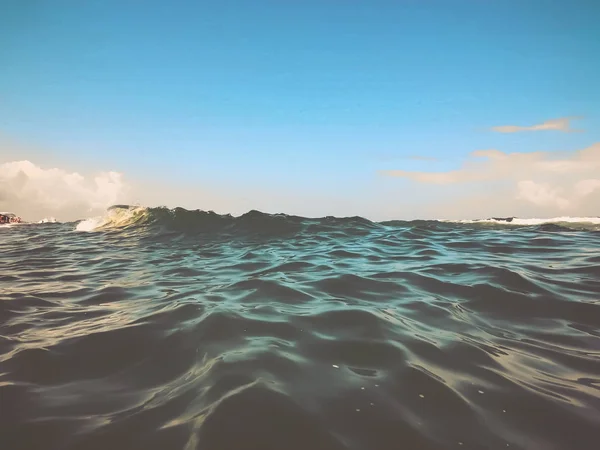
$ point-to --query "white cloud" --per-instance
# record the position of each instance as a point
(34, 192)
(541, 194)
(489, 183)
(561, 124)
(586, 187)
(540, 182)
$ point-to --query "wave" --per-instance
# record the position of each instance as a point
(181, 219)
(117, 216)
(533, 221)
(563, 223)
(343, 334)
(48, 220)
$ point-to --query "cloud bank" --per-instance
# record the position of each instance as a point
(489, 183)
(562, 124)
(547, 183)
(33, 192)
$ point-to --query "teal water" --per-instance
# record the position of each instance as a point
(189, 330)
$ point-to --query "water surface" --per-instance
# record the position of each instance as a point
(160, 329)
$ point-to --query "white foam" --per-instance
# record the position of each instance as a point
(116, 217)
(531, 221)
(88, 224)
(10, 225)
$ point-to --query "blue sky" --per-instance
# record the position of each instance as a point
(295, 96)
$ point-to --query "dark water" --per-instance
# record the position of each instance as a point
(196, 331)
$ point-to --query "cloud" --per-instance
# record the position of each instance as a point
(542, 194)
(552, 182)
(561, 124)
(34, 192)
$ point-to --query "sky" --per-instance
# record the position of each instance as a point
(399, 109)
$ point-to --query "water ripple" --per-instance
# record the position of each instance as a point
(193, 330)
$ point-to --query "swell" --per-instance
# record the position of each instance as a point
(255, 222)
(191, 330)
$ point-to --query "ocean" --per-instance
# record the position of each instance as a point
(174, 329)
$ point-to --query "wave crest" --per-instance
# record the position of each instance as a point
(116, 217)
(184, 220)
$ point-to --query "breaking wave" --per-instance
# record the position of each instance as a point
(116, 217)
(125, 216)
(515, 221)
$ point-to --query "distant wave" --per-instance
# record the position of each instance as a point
(563, 223)
(532, 221)
(48, 220)
(181, 219)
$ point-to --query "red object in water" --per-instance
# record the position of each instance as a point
(6, 217)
